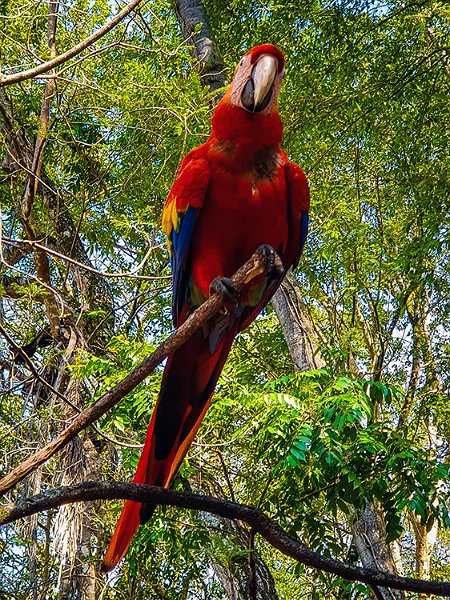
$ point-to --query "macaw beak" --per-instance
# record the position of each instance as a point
(258, 89)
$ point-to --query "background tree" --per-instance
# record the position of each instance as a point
(89, 151)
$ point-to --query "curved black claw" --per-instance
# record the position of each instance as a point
(271, 260)
(226, 288)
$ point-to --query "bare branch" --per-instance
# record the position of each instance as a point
(62, 58)
(130, 274)
(256, 519)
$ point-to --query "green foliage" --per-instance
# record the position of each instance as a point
(365, 109)
(315, 435)
(342, 453)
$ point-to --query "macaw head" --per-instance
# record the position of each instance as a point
(257, 80)
(247, 116)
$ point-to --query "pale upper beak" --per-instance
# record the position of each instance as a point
(264, 73)
(257, 91)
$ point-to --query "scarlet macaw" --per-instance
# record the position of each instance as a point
(232, 194)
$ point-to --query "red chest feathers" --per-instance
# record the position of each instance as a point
(240, 212)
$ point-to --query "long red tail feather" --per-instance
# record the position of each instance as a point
(188, 383)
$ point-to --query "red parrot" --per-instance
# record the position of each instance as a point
(234, 193)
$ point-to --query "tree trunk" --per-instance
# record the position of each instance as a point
(243, 573)
(191, 14)
(369, 537)
(237, 583)
(75, 524)
(297, 326)
(425, 541)
(425, 537)
(79, 462)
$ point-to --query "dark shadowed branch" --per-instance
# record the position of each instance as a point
(256, 519)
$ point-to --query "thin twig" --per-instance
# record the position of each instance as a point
(129, 274)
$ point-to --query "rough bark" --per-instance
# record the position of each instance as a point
(26, 212)
(297, 326)
(369, 537)
(192, 14)
(242, 572)
(75, 526)
(33, 484)
(78, 462)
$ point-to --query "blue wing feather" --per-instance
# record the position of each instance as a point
(179, 218)
(304, 229)
(181, 239)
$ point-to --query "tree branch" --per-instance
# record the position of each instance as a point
(256, 519)
(191, 14)
(62, 58)
(255, 266)
(129, 274)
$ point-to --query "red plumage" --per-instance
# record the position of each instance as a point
(232, 194)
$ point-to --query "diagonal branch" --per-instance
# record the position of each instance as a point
(62, 58)
(256, 519)
(255, 266)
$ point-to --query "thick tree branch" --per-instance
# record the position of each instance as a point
(62, 58)
(191, 14)
(255, 266)
(256, 519)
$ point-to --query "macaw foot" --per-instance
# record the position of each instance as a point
(226, 288)
(271, 260)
